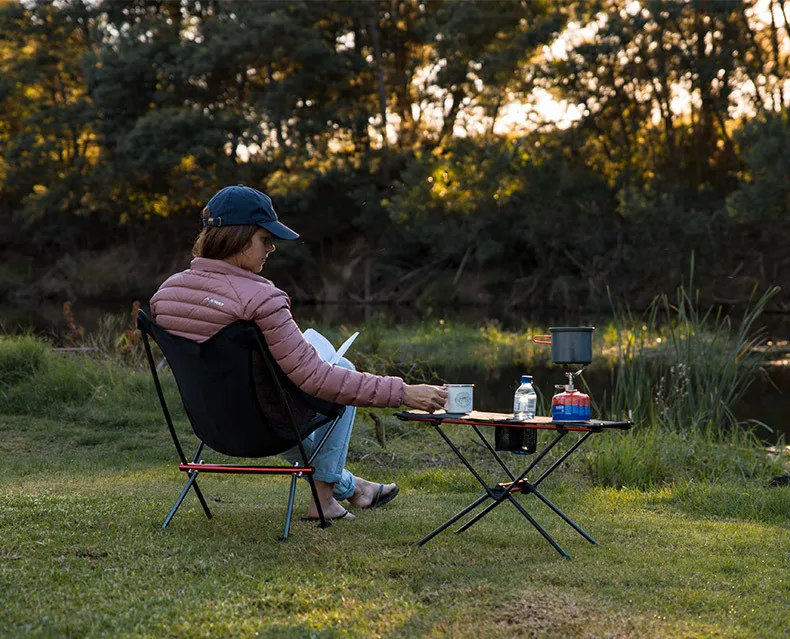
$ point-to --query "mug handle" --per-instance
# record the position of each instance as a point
(541, 339)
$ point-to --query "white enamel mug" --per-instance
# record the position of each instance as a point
(460, 398)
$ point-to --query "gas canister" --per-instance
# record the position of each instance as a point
(570, 406)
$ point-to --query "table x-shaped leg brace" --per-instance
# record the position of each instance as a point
(501, 492)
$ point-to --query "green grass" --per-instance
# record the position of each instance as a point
(87, 474)
(650, 455)
(693, 543)
(82, 552)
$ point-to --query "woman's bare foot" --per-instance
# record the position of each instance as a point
(332, 510)
(366, 493)
(331, 507)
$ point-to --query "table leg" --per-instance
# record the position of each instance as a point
(564, 456)
(489, 491)
(491, 450)
(454, 519)
(521, 509)
(535, 461)
(539, 528)
(497, 494)
(532, 487)
(515, 480)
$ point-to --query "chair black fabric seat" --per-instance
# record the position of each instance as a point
(221, 382)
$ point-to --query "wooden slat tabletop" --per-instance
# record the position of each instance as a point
(480, 418)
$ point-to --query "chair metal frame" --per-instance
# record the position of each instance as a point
(196, 466)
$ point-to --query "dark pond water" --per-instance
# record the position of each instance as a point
(768, 400)
(48, 317)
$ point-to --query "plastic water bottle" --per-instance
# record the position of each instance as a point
(525, 400)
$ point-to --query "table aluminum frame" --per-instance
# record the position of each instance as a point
(503, 491)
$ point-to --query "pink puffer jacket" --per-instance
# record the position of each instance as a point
(211, 294)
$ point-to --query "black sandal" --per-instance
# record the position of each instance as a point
(380, 500)
(335, 518)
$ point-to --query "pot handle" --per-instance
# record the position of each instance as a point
(542, 339)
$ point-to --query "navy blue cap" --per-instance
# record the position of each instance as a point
(237, 205)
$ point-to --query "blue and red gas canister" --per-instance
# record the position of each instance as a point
(570, 406)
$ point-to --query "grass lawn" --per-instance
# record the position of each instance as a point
(84, 490)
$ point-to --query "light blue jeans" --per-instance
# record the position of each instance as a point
(330, 462)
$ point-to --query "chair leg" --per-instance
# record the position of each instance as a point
(191, 483)
(195, 485)
(201, 500)
(290, 509)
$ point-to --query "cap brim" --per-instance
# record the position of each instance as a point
(280, 231)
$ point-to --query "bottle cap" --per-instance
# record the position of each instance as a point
(526, 379)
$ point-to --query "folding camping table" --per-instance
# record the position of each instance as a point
(502, 491)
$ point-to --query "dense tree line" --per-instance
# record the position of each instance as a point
(379, 128)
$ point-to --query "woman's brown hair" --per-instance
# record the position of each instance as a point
(220, 242)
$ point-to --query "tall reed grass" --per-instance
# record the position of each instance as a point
(680, 367)
(678, 372)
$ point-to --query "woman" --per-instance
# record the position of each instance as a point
(223, 285)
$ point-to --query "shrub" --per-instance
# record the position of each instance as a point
(678, 374)
(36, 380)
(20, 358)
(654, 455)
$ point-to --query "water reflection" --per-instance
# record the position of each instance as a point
(767, 401)
(47, 317)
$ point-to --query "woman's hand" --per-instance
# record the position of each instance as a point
(424, 397)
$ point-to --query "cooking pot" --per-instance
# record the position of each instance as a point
(569, 344)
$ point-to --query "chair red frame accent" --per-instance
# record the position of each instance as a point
(252, 470)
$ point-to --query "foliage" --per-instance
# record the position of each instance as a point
(703, 366)
(678, 373)
(381, 130)
(760, 202)
(20, 358)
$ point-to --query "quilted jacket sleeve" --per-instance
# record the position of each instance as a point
(301, 363)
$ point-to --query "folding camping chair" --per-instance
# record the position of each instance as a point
(217, 381)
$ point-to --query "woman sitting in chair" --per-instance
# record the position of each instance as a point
(223, 285)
